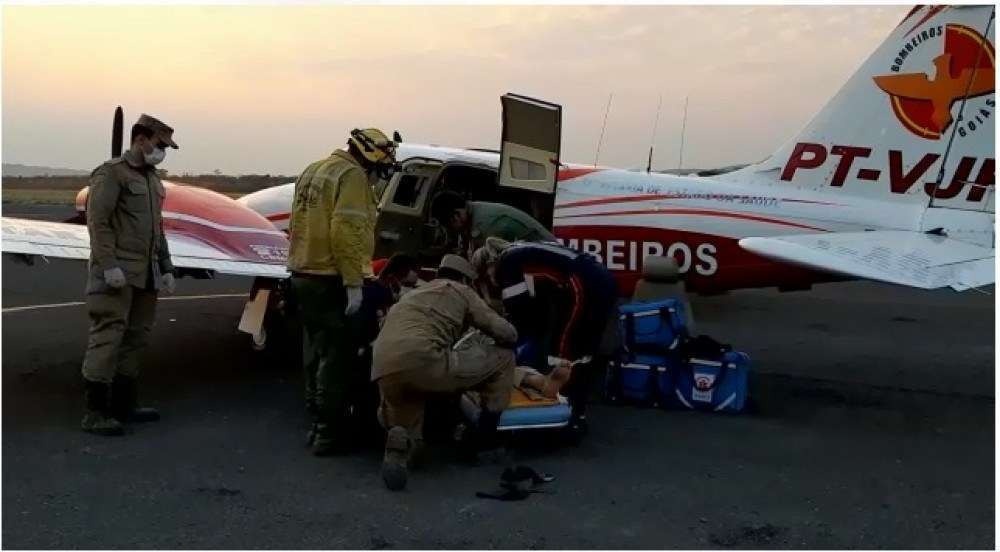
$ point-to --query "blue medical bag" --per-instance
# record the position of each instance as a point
(651, 327)
(647, 381)
(718, 384)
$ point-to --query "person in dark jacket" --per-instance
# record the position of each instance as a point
(558, 298)
(475, 221)
(396, 276)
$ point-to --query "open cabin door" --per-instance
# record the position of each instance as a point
(529, 144)
(402, 226)
(529, 152)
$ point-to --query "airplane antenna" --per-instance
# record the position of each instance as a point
(603, 126)
(680, 158)
(961, 110)
(652, 141)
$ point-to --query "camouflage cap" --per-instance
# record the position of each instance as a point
(161, 130)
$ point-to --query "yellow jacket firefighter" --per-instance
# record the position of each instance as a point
(332, 224)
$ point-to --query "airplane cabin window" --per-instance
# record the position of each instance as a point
(408, 190)
(522, 169)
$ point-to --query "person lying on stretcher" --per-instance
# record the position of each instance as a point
(538, 385)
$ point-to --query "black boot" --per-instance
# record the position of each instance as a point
(322, 442)
(489, 437)
(311, 434)
(483, 437)
(331, 436)
(97, 417)
(312, 412)
(124, 406)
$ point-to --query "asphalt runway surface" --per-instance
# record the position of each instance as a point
(874, 429)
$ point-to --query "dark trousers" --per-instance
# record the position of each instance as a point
(329, 351)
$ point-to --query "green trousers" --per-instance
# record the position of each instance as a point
(329, 351)
(120, 324)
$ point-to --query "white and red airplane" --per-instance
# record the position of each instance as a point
(891, 181)
(208, 233)
(859, 193)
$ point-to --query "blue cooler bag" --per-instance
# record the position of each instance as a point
(650, 333)
(715, 385)
(652, 327)
(647, 381)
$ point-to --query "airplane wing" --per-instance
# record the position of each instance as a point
(71, 241)
(912, 259)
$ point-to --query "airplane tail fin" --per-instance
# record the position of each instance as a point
(923, 100)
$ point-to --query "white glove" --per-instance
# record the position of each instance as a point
(353, 300)
(114, 277)
(168, 282)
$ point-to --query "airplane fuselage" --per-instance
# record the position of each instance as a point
(621, 216)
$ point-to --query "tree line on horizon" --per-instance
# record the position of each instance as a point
(217, 182)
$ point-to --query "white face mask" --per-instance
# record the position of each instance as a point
(156, 157)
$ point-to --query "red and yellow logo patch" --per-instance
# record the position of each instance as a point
(965, 68)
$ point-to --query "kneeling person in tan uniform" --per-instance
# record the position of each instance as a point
(415, 355)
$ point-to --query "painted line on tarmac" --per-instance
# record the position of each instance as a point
(80, 303)
(49, 306)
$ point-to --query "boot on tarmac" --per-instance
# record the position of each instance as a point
(482, 439)
(97, 417)
(311, 434)
(329, 438)
(397, 453)
(124, 402)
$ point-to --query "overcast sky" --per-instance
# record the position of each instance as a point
(268, 89)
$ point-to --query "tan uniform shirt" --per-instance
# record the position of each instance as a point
(124, 219)
(425, 324)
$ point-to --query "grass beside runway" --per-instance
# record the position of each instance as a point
(54, 197)
(61, 190)
(39, 197)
